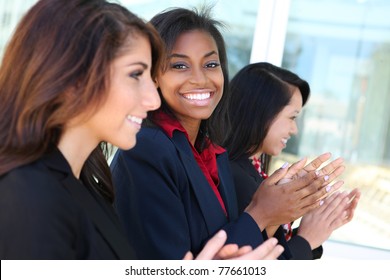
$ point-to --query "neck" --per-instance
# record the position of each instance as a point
(256, 155)
(76, 144)
(192, 129)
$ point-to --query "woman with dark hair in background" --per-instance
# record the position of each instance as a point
(265, 102)
(174, 189)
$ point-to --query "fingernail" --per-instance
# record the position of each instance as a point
(220, 234)
(317, 173)
(326, 177)
(285, 165)
(328, 188)
(321, 202)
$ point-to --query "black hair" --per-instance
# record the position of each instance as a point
(172, 23)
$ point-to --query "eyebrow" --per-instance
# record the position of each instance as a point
(144, 65)
(185, 56)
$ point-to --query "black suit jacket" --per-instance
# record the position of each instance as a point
(46, 213)
(247, 180)
(166, 203)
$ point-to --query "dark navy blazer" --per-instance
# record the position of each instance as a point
(166, 203)
(46, 213)
(247, 180)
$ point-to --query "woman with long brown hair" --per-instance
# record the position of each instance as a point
(75, 74)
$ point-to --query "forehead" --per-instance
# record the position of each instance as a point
(194, 39)
(137, 52)
(296, 99)
(133, 41)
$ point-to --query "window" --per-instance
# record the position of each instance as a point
(342, 48)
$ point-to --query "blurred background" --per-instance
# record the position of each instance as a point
(342, 48)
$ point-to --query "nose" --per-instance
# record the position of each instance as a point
(150, 99)
(198, 76)
(294, 129)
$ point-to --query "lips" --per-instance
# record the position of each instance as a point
(134, 119)
(197, 96)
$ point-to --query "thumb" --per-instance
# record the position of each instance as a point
(277, 175)
(188, 256)
(212, 247)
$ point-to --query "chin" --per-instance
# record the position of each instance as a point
(126, 146)
(275, 153)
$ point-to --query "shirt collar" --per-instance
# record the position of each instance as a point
(169, 125)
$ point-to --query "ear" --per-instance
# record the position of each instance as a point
(156, 83)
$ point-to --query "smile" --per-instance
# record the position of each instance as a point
(197, 96)
(134, 119)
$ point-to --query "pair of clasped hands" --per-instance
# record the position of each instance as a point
(291, 192)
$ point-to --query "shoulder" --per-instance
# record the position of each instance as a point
(40, 216)
(152, 135)
(29, 178)
(152, 145)
(153, 148)
(240, 166)
(246, 178)
(152, 140)
(242, 161)
(32, 189)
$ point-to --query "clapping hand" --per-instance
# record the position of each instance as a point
(216, 250)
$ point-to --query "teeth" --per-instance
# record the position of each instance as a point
(134, 119)
(284, 140)
(198, 96)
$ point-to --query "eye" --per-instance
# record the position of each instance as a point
(293, 118)
(136, 74)
(179, 66)
(213, 64)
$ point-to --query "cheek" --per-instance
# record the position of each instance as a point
(167, 89)
(117, 107)
(272, 142)
(219, 79)
(269, 142)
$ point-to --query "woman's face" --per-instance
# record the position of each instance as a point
(131, 94)
(192, 85)
(283, 126)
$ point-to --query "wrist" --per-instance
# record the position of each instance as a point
(257, 216)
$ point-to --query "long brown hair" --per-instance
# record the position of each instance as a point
(58, 46)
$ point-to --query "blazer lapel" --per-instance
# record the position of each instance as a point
(104, 222)
(245, 164)
(212, 212)
(104, 218)
(226, 186)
